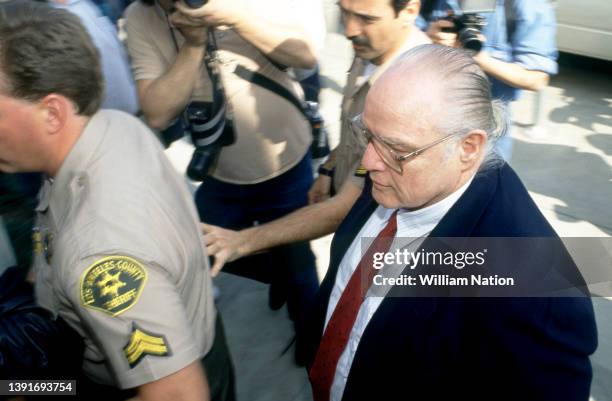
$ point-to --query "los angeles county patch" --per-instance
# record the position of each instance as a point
(112, 284)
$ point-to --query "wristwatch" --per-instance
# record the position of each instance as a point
(326, 171)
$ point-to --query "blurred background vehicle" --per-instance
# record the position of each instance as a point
(585, 28)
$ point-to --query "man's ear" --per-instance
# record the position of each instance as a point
(472, 148)
(410, 13)
(56, 109)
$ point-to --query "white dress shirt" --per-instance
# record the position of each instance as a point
(410, 224)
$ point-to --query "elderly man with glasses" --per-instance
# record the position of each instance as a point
(433, 175)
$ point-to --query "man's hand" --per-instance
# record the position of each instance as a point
(269, 30)
(193, 32)
(214, 13)
(320, 189)
(223, 244)
(437, 35)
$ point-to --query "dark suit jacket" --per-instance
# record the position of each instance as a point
(455, 348)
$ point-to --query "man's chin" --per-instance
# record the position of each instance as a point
(7, 168)
(385, 199)
(363, 52)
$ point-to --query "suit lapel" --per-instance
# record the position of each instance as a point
(346, 233)
(460, 221)
(463, 217)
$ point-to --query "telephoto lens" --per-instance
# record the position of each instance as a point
(210, 131)
(469, 28)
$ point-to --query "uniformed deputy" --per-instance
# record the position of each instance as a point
(119, 255)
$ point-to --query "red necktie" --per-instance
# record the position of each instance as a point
(343, 318)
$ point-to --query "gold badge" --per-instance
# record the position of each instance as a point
(113, 284)
(361, 171)
(144, 343)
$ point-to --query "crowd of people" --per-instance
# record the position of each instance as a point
(113, 288)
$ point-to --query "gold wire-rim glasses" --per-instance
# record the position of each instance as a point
(377, 141)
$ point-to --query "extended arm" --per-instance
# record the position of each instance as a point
(283, 42)
(321, 188)
(162, 99)
(188, 384)
(307, 223)
(511, 73)
(164, 89)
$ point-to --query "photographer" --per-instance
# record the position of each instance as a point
(265, 172)
(518, 51)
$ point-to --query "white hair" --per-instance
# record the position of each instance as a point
(466, 94)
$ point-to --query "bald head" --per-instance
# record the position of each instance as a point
(439, 88)
(430, 125)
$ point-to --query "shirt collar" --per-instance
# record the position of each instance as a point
(56, 194)
(427, 217)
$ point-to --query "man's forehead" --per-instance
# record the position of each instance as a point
(408, 89)
(396, 108)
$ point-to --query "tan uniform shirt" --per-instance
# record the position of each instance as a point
(362, 75)
(119, 255)
(272, 135)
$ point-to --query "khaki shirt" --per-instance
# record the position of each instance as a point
(362, 75)
(272, 135)
(119, 255)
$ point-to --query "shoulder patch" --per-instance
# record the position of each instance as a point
(361, 171)
(112, 284)
(143, 343)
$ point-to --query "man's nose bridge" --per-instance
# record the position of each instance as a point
(352, 25)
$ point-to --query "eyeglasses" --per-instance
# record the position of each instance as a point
(391, 157)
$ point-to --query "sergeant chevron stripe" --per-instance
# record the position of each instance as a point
(143, 343)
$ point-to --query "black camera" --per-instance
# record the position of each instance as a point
(209, 132)
(204, 122)
(320, 143)
(468, 28)
(469, 23)
(194, 3)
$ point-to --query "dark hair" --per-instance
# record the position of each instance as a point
(399, 5)
(47, 50)
(148, 2)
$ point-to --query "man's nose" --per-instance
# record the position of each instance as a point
(371, 161)
(352, 26)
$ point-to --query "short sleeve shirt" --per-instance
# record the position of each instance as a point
(518, 31)
(362, 75)
(272, 135)
(120, 90)
(119, 255)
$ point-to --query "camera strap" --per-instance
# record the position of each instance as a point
(265, 82)
(216, 123)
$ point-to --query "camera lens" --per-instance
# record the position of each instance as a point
(469, 38)
(195, 3)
